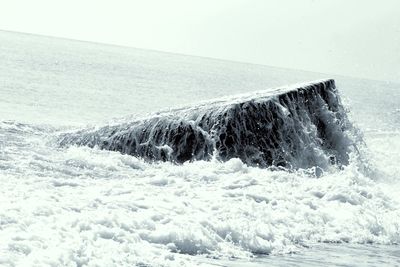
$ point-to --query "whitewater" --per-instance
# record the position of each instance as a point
(81, 206)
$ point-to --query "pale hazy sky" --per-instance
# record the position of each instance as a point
(350, 37)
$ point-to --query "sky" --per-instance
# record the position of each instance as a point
(358, 38)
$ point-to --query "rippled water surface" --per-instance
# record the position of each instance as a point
(328, 255)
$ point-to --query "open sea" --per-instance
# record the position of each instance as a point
(78, 206)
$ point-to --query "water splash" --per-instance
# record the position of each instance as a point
(300, 126)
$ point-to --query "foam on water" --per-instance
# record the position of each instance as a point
(87, 206)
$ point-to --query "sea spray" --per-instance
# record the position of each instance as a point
(298, 126)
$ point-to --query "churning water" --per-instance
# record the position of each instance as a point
(81, 206)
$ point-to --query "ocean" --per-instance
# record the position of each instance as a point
(81, 206)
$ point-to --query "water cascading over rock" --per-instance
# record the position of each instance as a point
(297, 126)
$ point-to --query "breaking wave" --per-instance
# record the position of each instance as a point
(294, 127)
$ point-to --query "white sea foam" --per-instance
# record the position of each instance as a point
(79, 206)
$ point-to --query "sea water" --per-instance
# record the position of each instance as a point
(79, 206)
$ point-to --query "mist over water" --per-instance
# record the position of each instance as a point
(80, 206)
